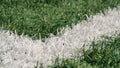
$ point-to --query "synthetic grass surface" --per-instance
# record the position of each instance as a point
(23, 52)
(39, 18)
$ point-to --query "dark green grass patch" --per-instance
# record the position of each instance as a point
(39, 18)
(102, 54)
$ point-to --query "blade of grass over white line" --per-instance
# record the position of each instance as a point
(23, 52)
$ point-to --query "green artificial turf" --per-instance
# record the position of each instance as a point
(39, 18)
(102, 54)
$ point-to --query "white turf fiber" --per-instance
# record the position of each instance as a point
(23, 52)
